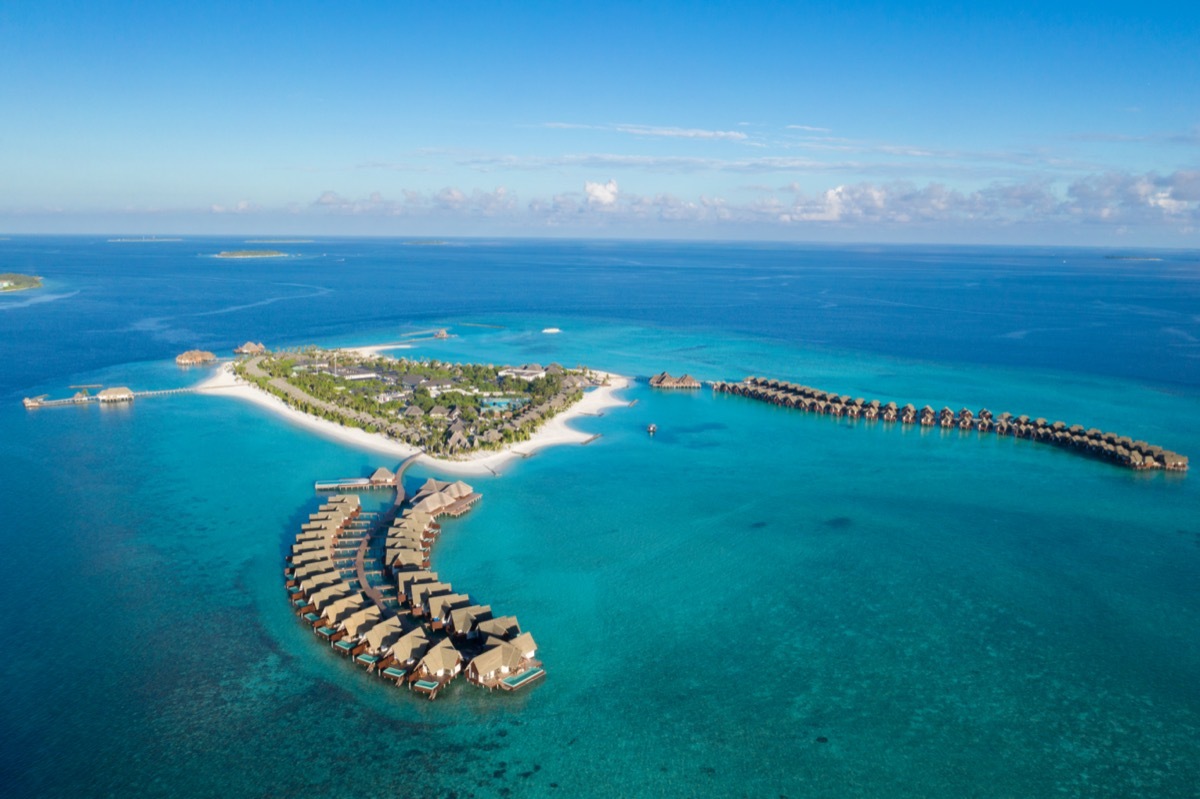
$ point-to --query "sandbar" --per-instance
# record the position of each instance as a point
(552, 432)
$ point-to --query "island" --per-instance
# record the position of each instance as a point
(251, 254)
(11, 281)
(467, 415)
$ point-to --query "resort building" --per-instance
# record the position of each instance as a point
(195, 358)
(665, 380)
(118, 394)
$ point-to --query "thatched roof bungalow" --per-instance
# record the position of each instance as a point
(665, 380)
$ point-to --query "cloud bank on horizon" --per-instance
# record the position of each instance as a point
(1023, 124)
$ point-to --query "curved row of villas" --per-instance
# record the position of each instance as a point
(1111, 447)
(419, 632)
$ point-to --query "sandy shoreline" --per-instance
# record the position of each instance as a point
(552, 433)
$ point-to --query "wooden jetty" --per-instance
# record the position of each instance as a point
(1111, 447)
(108, 396)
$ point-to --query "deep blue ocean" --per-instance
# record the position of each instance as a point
(755, 602)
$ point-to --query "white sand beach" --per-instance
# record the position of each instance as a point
(553, 432)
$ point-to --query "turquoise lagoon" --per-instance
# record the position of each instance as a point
(754, 602)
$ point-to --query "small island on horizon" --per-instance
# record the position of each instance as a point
(13, 281)
(251, 254)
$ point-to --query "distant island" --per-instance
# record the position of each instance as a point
(11, 281)
(425, 243)
(279, 241)
(1132, 258)
(252, 254)
(139, 240)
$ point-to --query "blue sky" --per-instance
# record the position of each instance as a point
(1072, 123)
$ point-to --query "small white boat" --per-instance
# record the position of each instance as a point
(551, 330)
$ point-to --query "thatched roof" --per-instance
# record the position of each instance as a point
(383, 475)
(358, 622)
(410, 646)
(462, 619)
(525, 644)
(441, 604)
(384, 634)
(442, 659)
(502, 627)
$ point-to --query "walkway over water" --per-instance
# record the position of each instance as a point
(385, 521)
(39, 402)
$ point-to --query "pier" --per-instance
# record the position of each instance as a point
(1110, 447)
(106, 397)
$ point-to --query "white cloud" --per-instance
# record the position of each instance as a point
(680, 133)
(655, 130)
(240, 207)
(602, 194)
(809, 128)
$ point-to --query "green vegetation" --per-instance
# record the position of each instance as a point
(11, 281)
(444, 408)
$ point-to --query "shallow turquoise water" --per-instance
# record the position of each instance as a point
(754, 602)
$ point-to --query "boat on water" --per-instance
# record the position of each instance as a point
(551, 330)
(651, 428)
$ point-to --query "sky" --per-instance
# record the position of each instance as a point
(1018, 123)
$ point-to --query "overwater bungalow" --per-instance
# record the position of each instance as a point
(464, 619)
(507, 665)
(503, 627)
(355, 627)
(665, 380)
(344, 607)
(115, 394)
(406, 579)
(438, 606)
(383, 477)
(441, 664)
(421, 592)
(377, 640)
(437, 498)
(250, 348)
(404, 655)
(406, 558)
(195, 357)
(322, 598)
(927, 417)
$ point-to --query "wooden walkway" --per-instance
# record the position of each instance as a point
(360, 557)
(95, 398)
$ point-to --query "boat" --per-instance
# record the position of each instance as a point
(551, 330)
(651, 428)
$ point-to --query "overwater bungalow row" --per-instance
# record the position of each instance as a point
(1111, 447)
(326, 564)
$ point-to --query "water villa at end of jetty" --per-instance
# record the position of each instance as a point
(362, 582)
(1114, 448)
(665, 380)
(195, 358)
